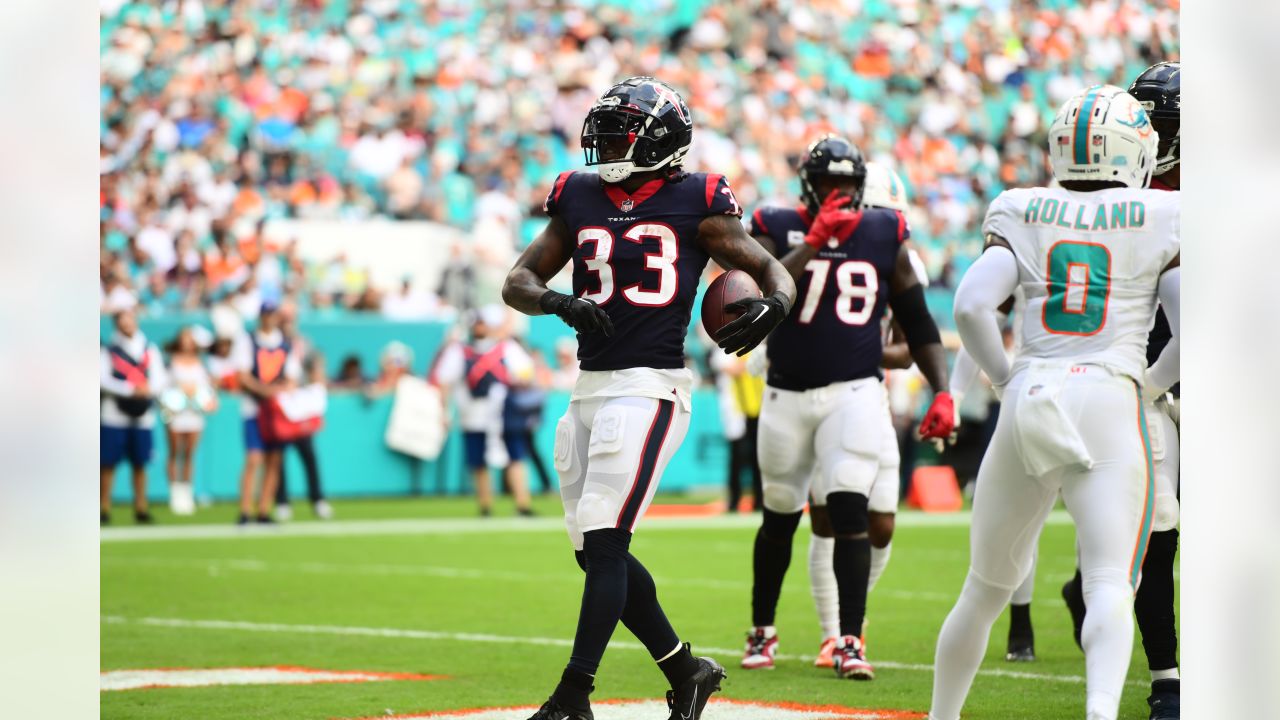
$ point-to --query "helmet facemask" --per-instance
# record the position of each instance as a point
(1169, 151)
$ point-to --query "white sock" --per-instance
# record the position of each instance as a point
(822, 584)
(1107, 638)
(962, 643)
(1171, 674)
(1022, 596)
(672, 653)
(879, 561)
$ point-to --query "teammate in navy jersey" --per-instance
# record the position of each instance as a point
(1159, 90)
(639, 234)
(824, 404)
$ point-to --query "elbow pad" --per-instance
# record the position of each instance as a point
(911, 312)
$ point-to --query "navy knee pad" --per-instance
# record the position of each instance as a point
(848, 513)
(780, 527)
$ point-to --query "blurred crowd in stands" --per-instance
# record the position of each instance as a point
(221, 115)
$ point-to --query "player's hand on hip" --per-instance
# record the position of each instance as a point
(759, 317)
(834, 220)
(581, 314)
(940, 419)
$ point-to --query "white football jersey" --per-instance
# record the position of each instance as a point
(1089, 264)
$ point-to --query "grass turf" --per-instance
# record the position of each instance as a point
(523, 585)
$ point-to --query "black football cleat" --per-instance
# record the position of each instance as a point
(142, 517)
(1073, 595)
(1020, 650)
(1165, 700)
(687, 702)
(553, 710)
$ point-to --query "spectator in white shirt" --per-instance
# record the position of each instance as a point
(131, 372)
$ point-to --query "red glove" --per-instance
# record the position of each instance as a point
(832, 221)
(940, 420)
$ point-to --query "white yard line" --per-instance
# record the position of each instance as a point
(459, 526)
(220, 565)
(410, 634)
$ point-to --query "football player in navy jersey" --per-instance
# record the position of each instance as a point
(824, 404)
(639, 233)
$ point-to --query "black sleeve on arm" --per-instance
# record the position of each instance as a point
(912, 314)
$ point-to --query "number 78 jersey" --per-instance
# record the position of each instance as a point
(1090, 265)
(833, 333)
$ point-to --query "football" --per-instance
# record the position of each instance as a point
(729, 288)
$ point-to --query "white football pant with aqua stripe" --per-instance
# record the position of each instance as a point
(1110, 496)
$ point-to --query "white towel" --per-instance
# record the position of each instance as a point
(1047, 439)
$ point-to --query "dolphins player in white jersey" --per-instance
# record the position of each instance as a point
(1093, 258)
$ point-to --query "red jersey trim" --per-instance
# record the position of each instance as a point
(560, 183)
(619, 196)
(712, 182)
(758, 219)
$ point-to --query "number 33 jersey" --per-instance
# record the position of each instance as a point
(1090, 264)
(638, 257)
(833, 333)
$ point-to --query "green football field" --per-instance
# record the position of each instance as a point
(424, 587)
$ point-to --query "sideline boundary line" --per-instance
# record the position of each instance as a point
(461, 526)
(411, 634)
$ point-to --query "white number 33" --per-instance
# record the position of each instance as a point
(728, 192)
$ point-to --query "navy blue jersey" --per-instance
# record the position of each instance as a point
(1161, 332)
(833, 331)
(637, 256)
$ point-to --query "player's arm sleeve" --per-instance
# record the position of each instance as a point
(720, 199)
(111, 385)
(1164, 372)
(551, 206)
(987, 284)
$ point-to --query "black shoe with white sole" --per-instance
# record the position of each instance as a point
(1020, 650)
(687, 702)
(552, 709)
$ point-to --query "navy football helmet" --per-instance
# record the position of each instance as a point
(1159, 90)
(639, 125)
(831, 156)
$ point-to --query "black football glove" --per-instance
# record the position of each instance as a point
(578, 313)
(759, 317)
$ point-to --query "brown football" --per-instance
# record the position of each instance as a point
(728, 288)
